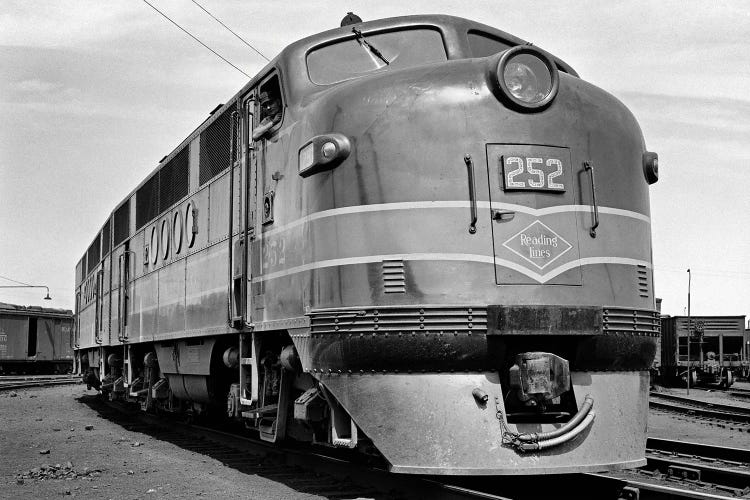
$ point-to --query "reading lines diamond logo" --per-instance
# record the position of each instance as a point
(538, 244)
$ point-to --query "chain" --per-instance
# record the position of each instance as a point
(507, 437)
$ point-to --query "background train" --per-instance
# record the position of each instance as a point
(719, 350)
(418, 237)
(35, 339)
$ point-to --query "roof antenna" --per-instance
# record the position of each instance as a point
(350, 18)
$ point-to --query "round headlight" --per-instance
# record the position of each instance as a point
(527, 77)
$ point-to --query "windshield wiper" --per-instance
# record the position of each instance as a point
(363, 43)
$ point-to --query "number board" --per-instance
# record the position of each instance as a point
(524, 172)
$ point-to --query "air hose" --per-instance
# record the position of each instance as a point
(540, 441)
(571, 424)
(543, 445)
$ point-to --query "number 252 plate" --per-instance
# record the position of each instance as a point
(525, 172)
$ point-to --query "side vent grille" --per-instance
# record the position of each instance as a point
(147, 202)
(105, 239)
(394, 277)
(173, 180)
(215, 147)
(643, 289)
(122, 223)
(93, 255)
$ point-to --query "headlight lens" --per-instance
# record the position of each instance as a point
(527, 77)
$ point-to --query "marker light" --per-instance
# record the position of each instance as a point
(651, 166)
(323, 152)
(526, 77)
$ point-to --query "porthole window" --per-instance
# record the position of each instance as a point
(177, 232)
(191, 225)
(165, 237)
(154, 245)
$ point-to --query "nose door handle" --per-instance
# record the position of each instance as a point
(502, 215)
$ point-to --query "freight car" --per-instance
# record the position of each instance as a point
(419, 237)
(35, 339)
(718, 349)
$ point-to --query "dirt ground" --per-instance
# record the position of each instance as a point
(53, 446)
(44, 436)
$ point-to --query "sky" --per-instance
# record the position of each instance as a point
(93, 94)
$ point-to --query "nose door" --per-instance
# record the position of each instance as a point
(534, 224)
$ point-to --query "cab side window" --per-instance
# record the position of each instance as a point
(483, 44)
(271, 108)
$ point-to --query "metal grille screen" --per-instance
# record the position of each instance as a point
(122, 223)
(215, 147)
(147, 202)
(174, 179)
(93, 253)
(105, 239)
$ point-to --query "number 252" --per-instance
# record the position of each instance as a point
(534, 172)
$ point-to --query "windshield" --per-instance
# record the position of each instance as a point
(355, 56)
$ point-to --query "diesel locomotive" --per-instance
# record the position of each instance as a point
(418, 237)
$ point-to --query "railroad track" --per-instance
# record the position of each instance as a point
(739, 393)
(15, 383)
(700, 409)
(721, 471)
(679, 469)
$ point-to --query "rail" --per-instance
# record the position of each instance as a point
(15, 383)
(708, 410)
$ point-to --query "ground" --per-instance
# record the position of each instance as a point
(66, 450)
(105, 461)
(688, 428)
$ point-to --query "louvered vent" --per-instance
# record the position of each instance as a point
(147, 202)
(174, 180)
(215, 147)
(122, 223)
(397, 320)
(105, 239)
(394, 277)
(643, 289)
(617, 319)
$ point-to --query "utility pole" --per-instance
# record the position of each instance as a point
(689, 335)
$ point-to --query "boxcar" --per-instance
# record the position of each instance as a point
(719, 349)
(35, 339)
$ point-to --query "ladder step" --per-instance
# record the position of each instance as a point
(261, 412)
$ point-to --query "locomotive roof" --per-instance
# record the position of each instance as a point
(292, 61)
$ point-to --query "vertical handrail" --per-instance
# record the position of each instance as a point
(119, 296)
(122, 305)
(100, 308)
(595, 214)
(248, 159)
(97, 281)
(472, 194)
(77, 324)
(230, 287)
